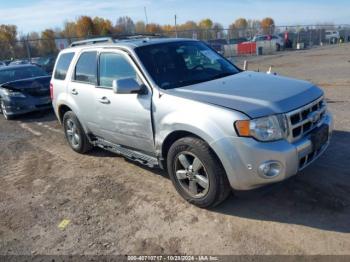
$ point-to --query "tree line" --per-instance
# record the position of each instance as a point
(43, 43)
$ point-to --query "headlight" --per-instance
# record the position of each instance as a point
(268, 128)
(11, 93)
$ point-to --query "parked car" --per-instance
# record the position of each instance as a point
(7, 62)
(19, 62)
(23, 89)
(238, 40)
(46, 63)
(178, 104)
(332, 36)
(279, 40)
(218, 44)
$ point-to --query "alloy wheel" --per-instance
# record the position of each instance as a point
(72, 133)
(191, 174)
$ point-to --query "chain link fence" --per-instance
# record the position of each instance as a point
(229, 42)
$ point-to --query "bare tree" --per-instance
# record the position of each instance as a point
(124, 25)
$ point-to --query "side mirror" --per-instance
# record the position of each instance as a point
(126, 86)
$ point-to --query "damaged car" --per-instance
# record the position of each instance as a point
(23, 89)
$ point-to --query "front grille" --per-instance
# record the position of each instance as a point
(37, 92)
(302, 120)
(307, 159)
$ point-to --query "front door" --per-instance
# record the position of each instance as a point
(123, 119)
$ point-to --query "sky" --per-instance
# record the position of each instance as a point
(36, 15)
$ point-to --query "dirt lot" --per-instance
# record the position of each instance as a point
(117, 207)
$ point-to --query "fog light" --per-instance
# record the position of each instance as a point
(270, 169)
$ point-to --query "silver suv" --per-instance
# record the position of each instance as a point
(179, 105)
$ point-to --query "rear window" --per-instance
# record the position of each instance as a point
(86, 68)
(62, 66)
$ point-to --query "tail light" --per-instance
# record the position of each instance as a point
(51, 91)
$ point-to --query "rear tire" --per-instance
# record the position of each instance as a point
(197, 173)
(75, 134)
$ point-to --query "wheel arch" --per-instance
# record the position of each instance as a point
(62, 109)
(172, 137)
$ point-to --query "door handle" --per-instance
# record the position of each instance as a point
(104, 100)
(74, 92)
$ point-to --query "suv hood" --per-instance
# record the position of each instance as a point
(255, 94)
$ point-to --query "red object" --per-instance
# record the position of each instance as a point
(286, 35)
(246, 48)
(51, 91)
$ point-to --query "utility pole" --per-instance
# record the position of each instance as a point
(26, 42)
(175, 28)
(146, 15)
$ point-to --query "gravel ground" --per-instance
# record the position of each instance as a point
(118, 207)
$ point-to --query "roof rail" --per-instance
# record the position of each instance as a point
(137, 36)
(93, 41)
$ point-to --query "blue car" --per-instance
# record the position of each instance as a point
(23, 89)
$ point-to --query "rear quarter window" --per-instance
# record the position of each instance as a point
(62, 66)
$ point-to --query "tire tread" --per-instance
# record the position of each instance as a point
(223, 189)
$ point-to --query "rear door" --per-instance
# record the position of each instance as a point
(59, 78)
(123, 119)
(82, 86)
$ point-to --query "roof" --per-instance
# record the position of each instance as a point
(125, 43)
(16, 66)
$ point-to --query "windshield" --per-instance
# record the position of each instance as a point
(13, 74)
(178, 64)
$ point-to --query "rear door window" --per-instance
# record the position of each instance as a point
(86, 68)
(62, 66)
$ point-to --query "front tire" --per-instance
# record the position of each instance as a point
(197, 173)
(75, 134)
(278, 47)
(3, 110)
